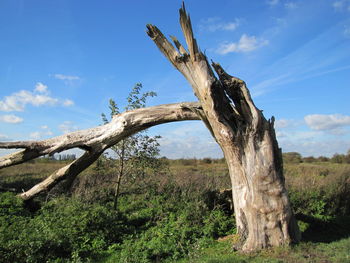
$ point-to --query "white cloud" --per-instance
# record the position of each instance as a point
(338, 5)
(39, 97)
(3, 137)
(69, 80)
(17, 101)
(44, 132)
(39, 135)
(216, 24)
(332, 122)
(35, 135)
(10, 119)
(314, 147)
(273, 2)
(68, 103)
(187, 141)
(41, 88)
(287, 5)
(67, 127)
(282, 123)
(280, 134)
(266, 84)
(346, 31)
(245, 44)
(66, 77)
(288, 124)
(341, 5)
(290, 5)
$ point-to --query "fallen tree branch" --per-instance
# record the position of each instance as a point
(121, 126)
(95, 140)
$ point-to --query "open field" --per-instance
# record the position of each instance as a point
(179, 214)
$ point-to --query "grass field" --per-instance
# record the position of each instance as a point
(179, 215)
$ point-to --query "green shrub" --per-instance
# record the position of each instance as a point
(11, 208)
(319, 190)
(173, 223)
(63, 229)
(218, 224)
(308, 202)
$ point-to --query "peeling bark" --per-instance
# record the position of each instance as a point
(262, 209)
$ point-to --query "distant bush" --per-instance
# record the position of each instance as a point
(187, 162)
(292, 157)
(309, 159)
(323, 159)
(207, 160)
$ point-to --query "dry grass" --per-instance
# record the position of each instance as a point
(26, 175)
(304, 176)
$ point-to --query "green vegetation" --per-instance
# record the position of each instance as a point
(132, 155)
(165, 222)
(179, 213)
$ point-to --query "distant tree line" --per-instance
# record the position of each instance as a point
(288, 157)
(58, 157)
(295, 157)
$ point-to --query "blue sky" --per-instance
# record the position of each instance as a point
(61, 61)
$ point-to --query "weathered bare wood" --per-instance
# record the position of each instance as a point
(263, 214)
(94, 141)
(109, 134)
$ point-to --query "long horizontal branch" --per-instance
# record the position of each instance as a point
(121, 126)
(94, 141)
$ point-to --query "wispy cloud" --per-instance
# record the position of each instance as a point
(283, 123)
(10, 119)
(307, 147)
(312, 59)
(263, 86)
(68, 102)
(66, 77)
(284, 79)
(286, 128)
(69, 80)
(341, 5)
(213, 24)
(18, 101)
(44, 132)
(290, 5)
(245, 44)
(273, 2)
(333, 123)
(41, 88)
(3, 137)
(346, 31)
(189, 140)
(67, 127)
(39, 97)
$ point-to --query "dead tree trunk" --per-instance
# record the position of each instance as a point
(262, 209)
(263, 213)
